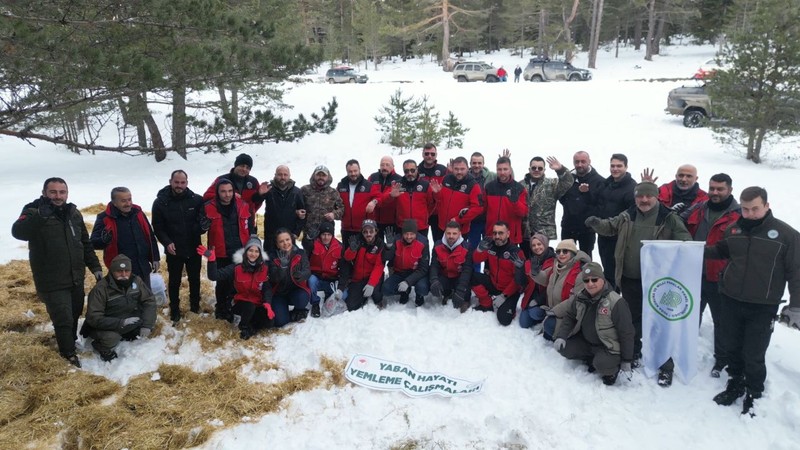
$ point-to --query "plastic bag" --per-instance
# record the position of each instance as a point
(159, 288)
(331, 306)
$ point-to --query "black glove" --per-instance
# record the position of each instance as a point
(436, 289)
(459, 297)
(45, 208)
(484, 244)
(592, 221)
(354, 243)
(536, 265)
(389, 236)
(205, 223)
(518, 262)
(678, 207)
(106, 236)
(463, 213)
(312, 233)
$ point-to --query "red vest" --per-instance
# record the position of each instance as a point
(249, 285)
(110, 224)
(407, 256)
(712, 267)
(216, 234)
(532, 286)
(324, 262)
(451, 262)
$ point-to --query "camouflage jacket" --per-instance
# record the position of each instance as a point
(542, 200)
(320, 202)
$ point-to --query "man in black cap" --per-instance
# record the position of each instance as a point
(362, 268)
(244, 184)
(120, 307)
(410, 259)
(324, 254)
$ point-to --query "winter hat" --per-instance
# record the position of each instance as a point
(541, 238)
(254, 240)
(244, 158)
(120, 262)
(646, 188)
(592, 270)
(568, 244)
(369, 223)
(409, 226)
(220, 182)
(326, 227)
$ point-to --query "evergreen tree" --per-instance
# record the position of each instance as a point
(453, 131)
(396, 122)
(426, 124)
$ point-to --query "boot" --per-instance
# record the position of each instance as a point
(733, 391)
(315, 310)
(419, 301)
(245, 333)
(717, 370)
(637, 360)
(404, 298)
(664, 378)
(747, 404)
(299, 315)
(73, 359)
(108, 356)
(609, 380)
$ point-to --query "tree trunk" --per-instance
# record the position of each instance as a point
(594, 40)
(235, 105)
(543, 50)
(568, 54)
(131, 114)
(445, 31)
(223, 103)
(754, 142)
(637, 34)
(616, 46)
(651, 30)
(179, 120)
(155, 134)
(659, 35)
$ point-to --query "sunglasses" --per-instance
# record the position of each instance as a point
(497, 233)
(537, 169)
(590, 280)
(409, 170)
(429, 153)
(563, 251)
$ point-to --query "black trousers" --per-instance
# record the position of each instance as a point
(606, 246)
(436, 233)
(253, 317)
(355, 294)
(709, 295)
(746, 332)
(64, 307)
(223, 291)
(175, 265)
(585, 238)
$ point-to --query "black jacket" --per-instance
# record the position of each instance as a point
(59, 246)
(580, 205)
(279, 210)
(176, 220)
(615, 196)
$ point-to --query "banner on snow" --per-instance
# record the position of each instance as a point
(671, 272)
(380, 374)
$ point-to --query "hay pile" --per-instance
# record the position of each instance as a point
(18, 297)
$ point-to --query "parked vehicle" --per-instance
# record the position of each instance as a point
(692, 103)
(539, 69)
(475, 71)
(344, 74)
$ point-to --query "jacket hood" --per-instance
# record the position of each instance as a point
(458, 242)
(328, 181)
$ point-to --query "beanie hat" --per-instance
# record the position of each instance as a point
(369, 223)
(592, 270)
(120, 262)
(326, 227)
(646, 188)
(409, 226)
(254, 240)
(568, 244)
(220, 182)
(541, 238)
(244, 158)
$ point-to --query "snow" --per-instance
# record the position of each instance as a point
(532, 397)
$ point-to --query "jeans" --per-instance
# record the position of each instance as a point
(421, 287)
(327, 287)
(474, 238)
(280, 304)
(531, 316)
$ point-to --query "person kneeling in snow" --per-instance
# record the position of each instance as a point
(120, 307)
(362, 268)
(451, 268)
(324, 252)
(502, 258)
(597, 327)
(288, 276)
(251, 302)
(410, 259)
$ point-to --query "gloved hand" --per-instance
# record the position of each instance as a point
(791, 316)
(98, 275)
(144, 332)
(592, 221)
(354, 243)
(155, 265)
(536, 265)
(459, 297)
(202, 250)
(436, 289)
(270, 312)
(106, 236)
(338, 294)
(678, 207)
(402, 287)
(559, 344)
(368, 290)
(462, 213)
(312, 233)
(45, 208)
(625, 367)
(131, 321)
(389, 236)
(518, 262)
(498, 301)
(484, 244)
(205, 223)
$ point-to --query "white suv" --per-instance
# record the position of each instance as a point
(475, 71)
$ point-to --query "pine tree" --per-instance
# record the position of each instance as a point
(396, 121)
(426, 124)
(453, 132)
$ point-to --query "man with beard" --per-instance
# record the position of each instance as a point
(614, 196)
(382, 180)
(59, 254)
(362, 269)
(458, 197)
(506, 201)
(429, 169)
(244, 184)
(413, 198)
(409, 258)
(323, 203)
(359, 197)
(178, 221)
(578, 204)
(498, 288)
(680, 193)
(482, 177)
(647, 220)
(451, 268)
(283, 207)
(543, 193)
(707, 221)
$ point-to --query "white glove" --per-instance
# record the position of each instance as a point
(368, 290)
(678, 207)
(131, 321)
(402, 287)
(498, 301)
(144, 332)
(155, 265)
(559, 344)
(626, 368)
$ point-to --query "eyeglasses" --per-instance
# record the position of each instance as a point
(498, 233)
(409, 170)
(590, 280)
(429, 153)
(537, 169)
(563, 251)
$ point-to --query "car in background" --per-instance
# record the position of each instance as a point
(709, 68)
(475, 71)
(344, 74)
(692, 103)
(542, 69)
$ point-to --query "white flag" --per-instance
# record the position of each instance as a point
(671, 272)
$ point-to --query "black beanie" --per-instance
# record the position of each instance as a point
(243, 158)
(326, 227)
(410, 226)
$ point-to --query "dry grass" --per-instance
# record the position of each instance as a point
(17, 297)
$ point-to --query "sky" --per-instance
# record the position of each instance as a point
(532, 397)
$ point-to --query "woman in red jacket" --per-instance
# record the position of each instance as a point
(288, 277)
(251, 302)
(535, 295)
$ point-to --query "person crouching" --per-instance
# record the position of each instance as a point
(288, 273)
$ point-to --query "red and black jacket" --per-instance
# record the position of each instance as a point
(385, 213)
(712, 267)
(507, 202)
(250, 283)
(501, 269)
(141, 237)
(437, 172)
(356, 213)
(415, 202)
(366, 263)
(411, 259)
(451, 264)
(666, 191)
(531, 290)
(246, 187)
(284, 279)
(456, 195)
(324, 261)
(217, 231)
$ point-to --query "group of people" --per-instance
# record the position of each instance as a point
(446, 233)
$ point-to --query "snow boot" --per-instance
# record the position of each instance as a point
(609, 380)
(245, 333)
(717, 370)
(298, 314)
(419, 301)
(315, 310)
(747, 404)
(733, 391)
(72, 358)
(108, 356)
(664, 378)
(404, 298)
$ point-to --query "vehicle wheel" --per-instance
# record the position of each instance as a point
(352, 80)
(492, 79)
(693, 119)
(331, 81)
(574, 77)
(462, 79)
(536, 78)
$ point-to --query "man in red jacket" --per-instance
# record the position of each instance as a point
(244, 184)
(362, 269)
(324, 252)
(458, 197)
(359, 197)
(506, 201)
(498, 288)
(451, 268)
(410, 259)
(707, 221)
(382, 181)
(413, 198)
(681, 193)
(429, 169)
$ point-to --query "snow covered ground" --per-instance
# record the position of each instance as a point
(532, 397)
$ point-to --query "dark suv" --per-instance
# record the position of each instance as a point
(344, 74)
(546, 70)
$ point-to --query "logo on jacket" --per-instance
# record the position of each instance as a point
(134, 286)
(334, 264)
(361, 189)
(419, 188)
(670, 299)
(249, 185)
(508, 192)
(506, 255)
(463, 188)
(603, 311)
(772, 234)
(437, 173)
